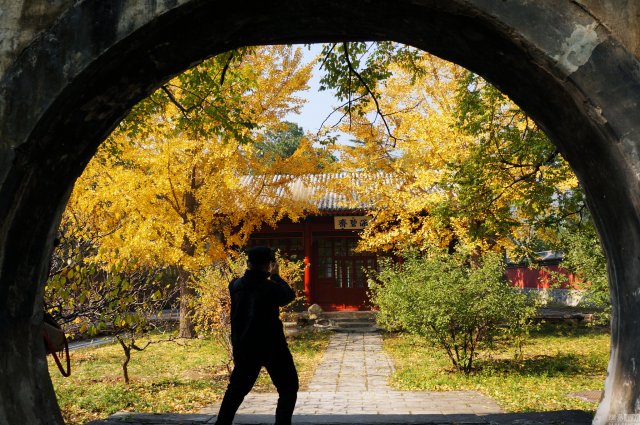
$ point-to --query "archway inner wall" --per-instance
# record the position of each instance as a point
(67, 86)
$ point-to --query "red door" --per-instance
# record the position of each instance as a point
(340, 281)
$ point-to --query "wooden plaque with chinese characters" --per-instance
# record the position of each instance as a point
(350, 222)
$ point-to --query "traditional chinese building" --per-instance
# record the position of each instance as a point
(325, 240)
(336, 276)
(542, 274)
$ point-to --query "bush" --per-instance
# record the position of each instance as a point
(451, 302)
(212, 303)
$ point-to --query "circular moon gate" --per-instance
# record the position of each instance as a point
(72, 85)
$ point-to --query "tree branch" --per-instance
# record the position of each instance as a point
(525, 176)
(223, 73)
(336, 110)
(175, 101)
(371, 93)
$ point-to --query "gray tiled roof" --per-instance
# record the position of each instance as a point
(317, 189)
(538, 257)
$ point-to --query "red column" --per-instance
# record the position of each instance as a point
(306, 242)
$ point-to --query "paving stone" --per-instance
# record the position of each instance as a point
(593, 396)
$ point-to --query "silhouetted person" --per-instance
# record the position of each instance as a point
(258, 337)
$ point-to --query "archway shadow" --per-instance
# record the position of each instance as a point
(566, 417)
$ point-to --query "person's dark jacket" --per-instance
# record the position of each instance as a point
(256, 299)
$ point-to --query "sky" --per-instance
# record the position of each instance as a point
(319, 103)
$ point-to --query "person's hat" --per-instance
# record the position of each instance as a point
(260, 255)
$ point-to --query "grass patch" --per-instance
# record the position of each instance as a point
(166, 377)
(558, 360)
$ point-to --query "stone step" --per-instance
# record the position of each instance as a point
(339, 326)
(354, 324)
(364, 330)
(349, 322)
(351, 319)
(342, 321)
(348, 314)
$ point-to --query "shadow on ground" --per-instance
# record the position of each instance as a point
(541, 365)
(566, 417)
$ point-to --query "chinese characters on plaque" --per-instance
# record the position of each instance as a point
(350, 222)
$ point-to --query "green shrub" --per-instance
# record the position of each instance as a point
(451, 301)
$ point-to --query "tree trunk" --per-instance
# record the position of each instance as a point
(127, 358)
(186, 293)
(125, 366)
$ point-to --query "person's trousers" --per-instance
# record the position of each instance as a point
(281, 369)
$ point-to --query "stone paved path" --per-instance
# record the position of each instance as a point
(353, 362)
(350, 387)
(352, 380)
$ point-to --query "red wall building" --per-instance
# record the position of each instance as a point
(335, 277)
(545, 273)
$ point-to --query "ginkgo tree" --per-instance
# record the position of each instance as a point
(169, 186)
(452, 170)
(449, 160)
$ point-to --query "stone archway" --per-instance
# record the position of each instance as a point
(70, 70)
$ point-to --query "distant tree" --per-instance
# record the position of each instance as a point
(281, 142)
(285, 140)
